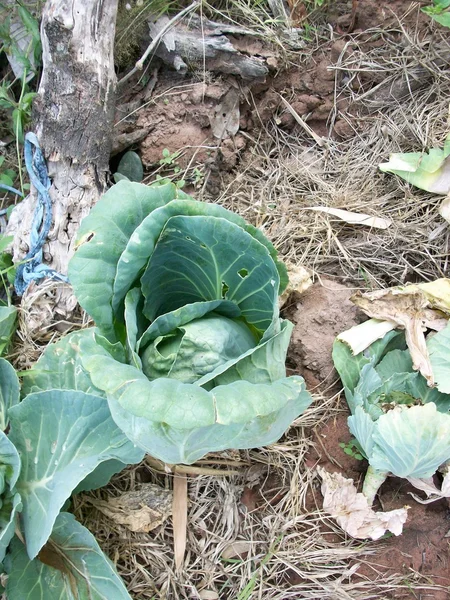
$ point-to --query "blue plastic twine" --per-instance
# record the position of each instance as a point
(32, 269)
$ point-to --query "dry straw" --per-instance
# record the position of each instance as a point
(286, 173)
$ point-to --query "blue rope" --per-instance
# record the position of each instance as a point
(4, 211)
(8, 188)
(32, 269)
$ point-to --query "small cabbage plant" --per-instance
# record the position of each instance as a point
(402, 425)
(188, 346)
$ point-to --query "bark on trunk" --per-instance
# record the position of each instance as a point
(73, 113)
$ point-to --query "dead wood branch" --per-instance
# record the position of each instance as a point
(202, 44)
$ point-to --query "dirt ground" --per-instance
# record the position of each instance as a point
(310, 133)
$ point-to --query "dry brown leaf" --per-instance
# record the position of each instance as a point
(353, 218)
(179, 516)
(227, 115)
(298, 12)
(138, 510)
(250, 498)
(238, 548)
(415, 308)
(405, 308)
(299, 281)
(352, 512)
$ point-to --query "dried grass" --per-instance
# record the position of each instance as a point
(285, 173)
(38, 325)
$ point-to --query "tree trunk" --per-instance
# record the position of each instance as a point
(73, 120)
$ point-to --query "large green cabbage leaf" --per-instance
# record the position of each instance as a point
(61, 437)
(71, 566)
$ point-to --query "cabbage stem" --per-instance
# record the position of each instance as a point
(372, 483)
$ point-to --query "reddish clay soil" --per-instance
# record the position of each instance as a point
(424, 544)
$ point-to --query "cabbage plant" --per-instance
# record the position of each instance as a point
(402, 425)
(188, 345)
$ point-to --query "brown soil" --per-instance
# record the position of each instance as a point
(319, 315)
(182, 107)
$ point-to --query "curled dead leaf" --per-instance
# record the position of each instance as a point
(238, 548)
(352, 512)
(353, 218)
(428, 486)
(415, 308)
(139, 510)
(405, 308)
(299, 281)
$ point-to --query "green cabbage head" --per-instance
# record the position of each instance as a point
(189, 348)
(402, 425)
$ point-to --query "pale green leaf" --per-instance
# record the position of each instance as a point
(133, 312)
(427, 171)
(170, 321)
(9, 391)
(74, 569)
(397, 361)
(9, 512)
(349, 366)
(10, 503)
(442, 19)
(411, 441)
(439, 350)
(180, 445)
(180, 422)
(61, 437)
(8, 320)
(60, 366)
(264, 363)
(197, 349)
(362, 428)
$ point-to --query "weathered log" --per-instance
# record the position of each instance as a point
(73, 118)
(202, 44)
